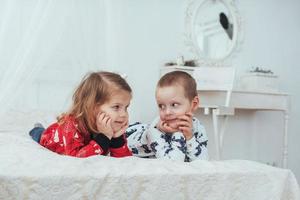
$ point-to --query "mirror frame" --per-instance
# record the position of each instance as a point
(190, 40)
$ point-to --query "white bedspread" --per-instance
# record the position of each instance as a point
(29, 171)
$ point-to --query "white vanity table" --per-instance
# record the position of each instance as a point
(250, 100)
(213, 35)
(212, 99)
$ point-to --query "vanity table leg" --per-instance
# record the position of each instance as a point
(216, 133)
(285, 140)
(222, 131)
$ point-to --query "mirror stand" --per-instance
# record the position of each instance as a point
(213, 31)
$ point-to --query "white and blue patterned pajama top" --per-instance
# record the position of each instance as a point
(147, 141)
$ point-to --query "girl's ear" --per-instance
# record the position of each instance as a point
(195, 103)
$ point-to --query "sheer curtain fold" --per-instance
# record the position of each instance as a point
(23, 63)
(47, 39)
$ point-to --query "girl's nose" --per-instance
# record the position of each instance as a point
(123, 113)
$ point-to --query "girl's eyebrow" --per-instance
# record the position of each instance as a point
(118, 103)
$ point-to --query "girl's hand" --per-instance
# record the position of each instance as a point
(103, 123)
(121, 131)
(165, 127)
(185, 125)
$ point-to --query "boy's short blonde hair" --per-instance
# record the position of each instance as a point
(180, 78)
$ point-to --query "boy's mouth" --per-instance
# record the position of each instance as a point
(170, 119)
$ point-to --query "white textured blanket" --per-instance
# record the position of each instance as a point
(29, 171)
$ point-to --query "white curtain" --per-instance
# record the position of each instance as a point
(46, 48)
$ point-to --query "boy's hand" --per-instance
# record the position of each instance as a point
(121, 131)
(103, 123)
(165, 127)
(185, 125)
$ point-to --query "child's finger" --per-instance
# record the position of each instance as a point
(168, 128)
(107, 120)
(187, 118)
(104, 120)
(99, 119)
(122, 130)
(189, 114)
(101, 116)
(184, 124)
(184, 128)
(184, 118)
(98, 116)
(124, 127)
(186, 132)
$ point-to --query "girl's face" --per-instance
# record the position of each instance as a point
(172, 103)
(116, 109)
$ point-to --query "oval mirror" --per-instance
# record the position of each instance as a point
(212, 28)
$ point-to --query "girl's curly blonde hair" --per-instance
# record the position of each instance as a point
(94, 90)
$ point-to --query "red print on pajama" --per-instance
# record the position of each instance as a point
(67, 139)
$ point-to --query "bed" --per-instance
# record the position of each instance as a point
(29, 171)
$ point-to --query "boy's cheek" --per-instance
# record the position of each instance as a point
(168, 118)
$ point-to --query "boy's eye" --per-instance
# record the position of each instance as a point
(161, 106)
(174, 104)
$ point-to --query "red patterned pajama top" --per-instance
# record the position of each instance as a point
(67, 139)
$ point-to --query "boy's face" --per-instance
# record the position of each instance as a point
(116, 109)
(172, 103)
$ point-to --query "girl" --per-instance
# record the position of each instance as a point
(96, 122)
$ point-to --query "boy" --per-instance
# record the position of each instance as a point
(175, 134)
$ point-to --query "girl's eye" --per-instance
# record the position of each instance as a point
(116, 107)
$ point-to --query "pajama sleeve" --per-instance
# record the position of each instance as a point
(197, 145)
(137, 140)
(65, 139)
(118, 147)
(74, 144)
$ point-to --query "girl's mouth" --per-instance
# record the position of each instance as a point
(120, 122)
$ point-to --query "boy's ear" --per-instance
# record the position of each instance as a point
(195, 103)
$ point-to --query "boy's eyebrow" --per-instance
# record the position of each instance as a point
(174, 101)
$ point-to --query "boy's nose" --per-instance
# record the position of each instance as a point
(168, 111)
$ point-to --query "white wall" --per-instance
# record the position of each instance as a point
(272, 41)
(141, 35)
